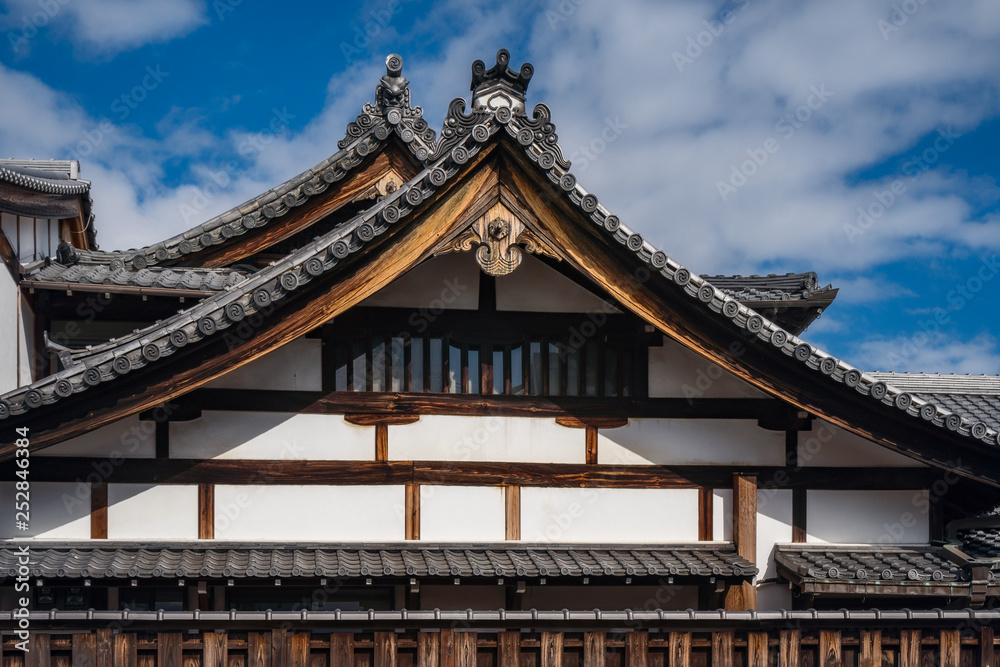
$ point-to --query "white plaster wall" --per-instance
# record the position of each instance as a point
(271, 435)
(557, 597)
(152, 511)
(462, 513)
(774, 526)
(57, 510)
(26, 345)
(329, 513)
(450, 438)
(295, 366)
(830, 445)
(8, 330)
(722, 514)
(534, 287)
(870, 517)
(609, 515)
(128, 438)
(447, 282)
(677, 372)
(690, 441)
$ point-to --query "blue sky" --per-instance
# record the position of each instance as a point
(858, 138)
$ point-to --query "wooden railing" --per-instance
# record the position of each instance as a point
(460, 647)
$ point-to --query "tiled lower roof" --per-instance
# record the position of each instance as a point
(116, 274)
(297, 560)
(863, 565)
(981, 543)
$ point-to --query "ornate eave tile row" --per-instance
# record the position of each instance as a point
(292, 560)
(866, 565)
(198, 279)
(463, 136)
(38, 183)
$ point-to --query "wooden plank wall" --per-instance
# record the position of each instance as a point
(450, 647)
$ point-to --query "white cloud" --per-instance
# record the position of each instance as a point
(922, 352)
(104, 26)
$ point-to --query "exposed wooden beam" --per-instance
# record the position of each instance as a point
(512, 512)
(412, 511)
(706, 513)
(99, 511)
(206, 511)
(744, 595)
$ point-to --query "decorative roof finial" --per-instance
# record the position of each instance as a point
(500, 86)
(393, 89)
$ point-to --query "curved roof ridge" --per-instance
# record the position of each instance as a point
(943, 383)
(465, 135)
(55, 183)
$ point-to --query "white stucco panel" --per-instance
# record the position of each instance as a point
(152, 511)
(774, 526)
(451, 438)
(447, 282)
(609, 515)
(830, 445)
(536, 288)
(677, 372)
(722, 514)
(295, 366)
(128, 438)
(8, 330)
(690, 441)
(462, 513)
(271, 435)
(869, 517)
(57, 510)
(328, 513)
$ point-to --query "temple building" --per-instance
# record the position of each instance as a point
(430, 402)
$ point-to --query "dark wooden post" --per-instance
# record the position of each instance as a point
(637, 649)
(428, 650)
(99, 510)
(744, 596)
(512, 512)
(385, 649)
(126, 653)
(206, 511)
(259, 649)
(168, 649)
(342, 649)
(552, 649)
(829, 649)
(722, 649)
(594, 653)
(465, 649)
(105, 648)
(279, 648)
(680, 649)
(84, 649)
(909, 648)
(789, 642)
(757, 649)
(870, 650)
(39, 652)
(951, 648)
(986, 648)
(508, 648)
(412, 512)
(298, 649)
(447, 647)
(215, 649)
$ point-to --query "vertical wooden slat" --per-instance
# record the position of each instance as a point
(508, 648)
(168, 649)
(162, 439)
(722, 649)
(298, 649)
(486, 369)
(412, 511)
(84, 649)
(591, 445)
(206, 511)
(407, 364)
(870, 649)
(594, 651)
(215, 649)
(757, 649)
(799, 518)
(445, 364)
(789, 642)
(125, 652)
(508, 371)
(369, 345)
(552, 649)
(546, 386)
(99, 511)
(463, 356)
(387, 356)
(105, 647)
(951, 648)
(381, 442)
(39, 650)
(829, 648)
(280, 643)
(465, 649)
(426, 361)
(637, 649)
(428, 649)
(706, 510)
(342, 649)
(447, 647)
(744, 596)
(385, 649)
(512, 513)
(909, 648)
(259, 649)
(986, 653)
(680, 649)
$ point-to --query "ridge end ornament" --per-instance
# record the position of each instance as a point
(498, 237)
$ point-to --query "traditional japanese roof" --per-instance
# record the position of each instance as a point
(977, 396)
(57, 177)
(492, 154)
(128, 561)
(981, 543)
(181, 278)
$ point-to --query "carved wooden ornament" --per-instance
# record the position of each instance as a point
(498, 236)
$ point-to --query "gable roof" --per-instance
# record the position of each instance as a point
(447, 192)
